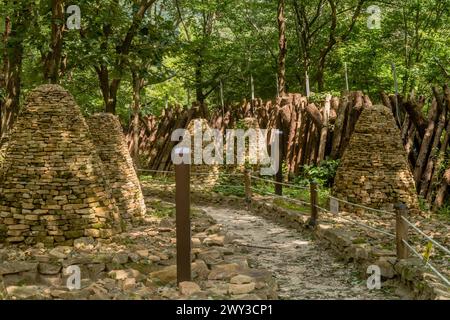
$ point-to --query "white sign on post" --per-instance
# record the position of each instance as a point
(334, 206)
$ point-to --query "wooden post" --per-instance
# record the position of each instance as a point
(183, 222)
(401, 230)
(248, 188)
(314, 203)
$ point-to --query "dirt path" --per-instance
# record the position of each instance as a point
(303, 268)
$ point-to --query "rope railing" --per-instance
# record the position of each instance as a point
(401, 231)
(427, 263)
(193, 173)
(279, 183)
(437, 244)
(360, 205)
(297, 201)
(368, 227)
(359, 223)
(229, 186)
(155, 171)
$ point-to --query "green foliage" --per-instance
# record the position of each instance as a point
(323, 174)
(423, 204)
(444, 212)
(229, 185)
(182, 48)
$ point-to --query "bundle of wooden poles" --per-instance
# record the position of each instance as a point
(315, 131)
(426, 140)
(312, 132)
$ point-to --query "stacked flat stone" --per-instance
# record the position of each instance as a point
(374, 169)
(111, 145)
(202, 175)
(3, 145)
(52, 188)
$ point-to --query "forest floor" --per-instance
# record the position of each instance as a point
(139, 263)
(303, 268)
(349, 221)
(236, 255)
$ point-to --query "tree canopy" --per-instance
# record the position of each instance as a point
(183, 51)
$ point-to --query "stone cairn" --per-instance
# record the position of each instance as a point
(52, 188)
(202, 175)
(374, 169)
(112, 148)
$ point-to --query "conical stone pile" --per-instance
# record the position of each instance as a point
(202, 174)
(374, 169)
(112, 148)
(52, 186)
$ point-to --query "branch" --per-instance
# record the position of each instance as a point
(177, 6)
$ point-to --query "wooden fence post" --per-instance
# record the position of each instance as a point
(314, 203)
(401, 230)
(248, 188)
(183, 221)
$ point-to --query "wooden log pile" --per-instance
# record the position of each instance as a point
(426, 140)
(312, 132)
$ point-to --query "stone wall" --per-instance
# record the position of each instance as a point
(52, 188)
(110, 142)
(374, 169)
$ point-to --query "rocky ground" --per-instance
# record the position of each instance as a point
(303, 268)
(137, 264)
(236, 255)
(433, 225)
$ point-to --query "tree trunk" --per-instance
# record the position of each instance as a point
(12, 68)
(137, 86)
(53, 59)
(425, 185)
(109, 91)
(199, 80)
(339, 128)
(442, 192)
(324, 131)
(282, 43)
(416, 116)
